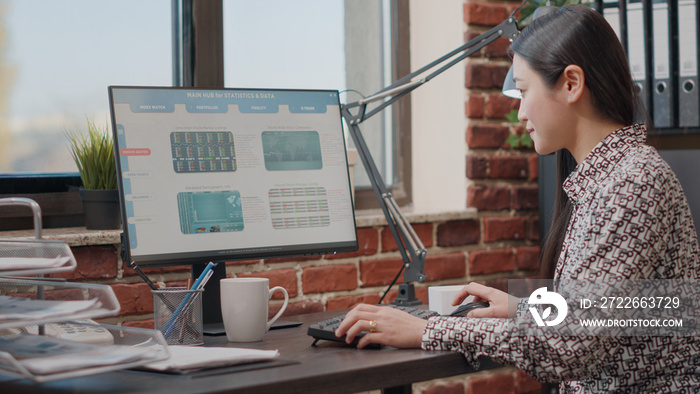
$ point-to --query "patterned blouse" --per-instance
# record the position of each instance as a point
(630, 220)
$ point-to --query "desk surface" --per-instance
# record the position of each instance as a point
(326, 367)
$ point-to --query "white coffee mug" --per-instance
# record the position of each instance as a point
(244, 308)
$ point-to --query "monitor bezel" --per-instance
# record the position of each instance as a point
(223, 255)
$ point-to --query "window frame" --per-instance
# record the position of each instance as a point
(197, 55)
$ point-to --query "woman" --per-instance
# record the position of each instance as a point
(578, 100)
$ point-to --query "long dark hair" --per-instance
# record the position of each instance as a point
(576, 34)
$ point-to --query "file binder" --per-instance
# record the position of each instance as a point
(688, 103)
(611, 13)
(663, 91)
(636, 51)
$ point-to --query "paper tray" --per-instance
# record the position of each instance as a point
(60, 291)
(19, 258)
(149, 343)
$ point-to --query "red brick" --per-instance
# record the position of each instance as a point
(368, 240)
(148, 324)
(339, 303)
(135, 299)
(486, 135)
(501, 284)
(490, 261)
(526, 197)
(286, 278)
(498, 48)
(329, 278)
(178, 283)
(498, 76)
(296, 308)
(459, 232)
(489, 198)
(445, 266)
(528, 258)
(534, 167)
(497, 229)
(487, 14)
(502, 384)
(508, 167)
(477, 167)
(242, 262)
(423, 230)
(380, 272)
(534, 229)
(392, 295)
(128, 271)
(497, 105)
(478, 76)
(445, 388)
(484, 75)
(474, 106)
(63, 295)
(291, 259)
(93, 262)
(422, 295)
(525, 383)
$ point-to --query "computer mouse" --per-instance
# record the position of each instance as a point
(462, 310)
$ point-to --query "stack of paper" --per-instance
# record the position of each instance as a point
(31, 263)
(26, 309)
(183, 358)
(42, 355)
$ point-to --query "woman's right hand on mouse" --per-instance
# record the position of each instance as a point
(502, 305)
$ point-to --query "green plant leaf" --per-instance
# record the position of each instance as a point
(513, 141)
(512, 116)
(94, 156)
(526, 140)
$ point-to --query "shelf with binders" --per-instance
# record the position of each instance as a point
(661, 41)
(45, 331)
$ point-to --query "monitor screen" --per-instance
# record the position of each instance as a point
(231, 174)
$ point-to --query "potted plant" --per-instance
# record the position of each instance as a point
(94, 155)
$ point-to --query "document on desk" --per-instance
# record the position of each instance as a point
(21, 308)
(13, 263)
(184, 358)
(42, 355)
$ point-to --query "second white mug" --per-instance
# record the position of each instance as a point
(244, 308)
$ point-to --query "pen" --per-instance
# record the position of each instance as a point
(187, 311)
(143, 276)
(170, 324)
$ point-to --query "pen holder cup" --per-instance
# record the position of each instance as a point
(177, 313)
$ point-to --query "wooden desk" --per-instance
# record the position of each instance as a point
(326, 367)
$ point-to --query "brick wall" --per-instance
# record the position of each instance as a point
(461, 248)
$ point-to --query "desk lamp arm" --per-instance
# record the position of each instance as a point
(410, 247)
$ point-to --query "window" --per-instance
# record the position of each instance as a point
(322, 44)
(58, 59)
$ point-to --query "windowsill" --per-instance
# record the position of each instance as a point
(73, 236)
(80, 236)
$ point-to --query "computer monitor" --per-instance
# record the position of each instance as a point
(230, 174)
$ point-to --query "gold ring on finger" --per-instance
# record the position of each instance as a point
(372, 326)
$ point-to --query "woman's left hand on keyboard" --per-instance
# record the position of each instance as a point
(392, 327)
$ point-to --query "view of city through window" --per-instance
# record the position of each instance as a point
(57, 59)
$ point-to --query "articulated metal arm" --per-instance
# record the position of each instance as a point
(410, 246)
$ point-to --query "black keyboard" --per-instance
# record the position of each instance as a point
(326, 329)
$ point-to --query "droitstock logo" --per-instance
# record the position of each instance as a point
(543, 297)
